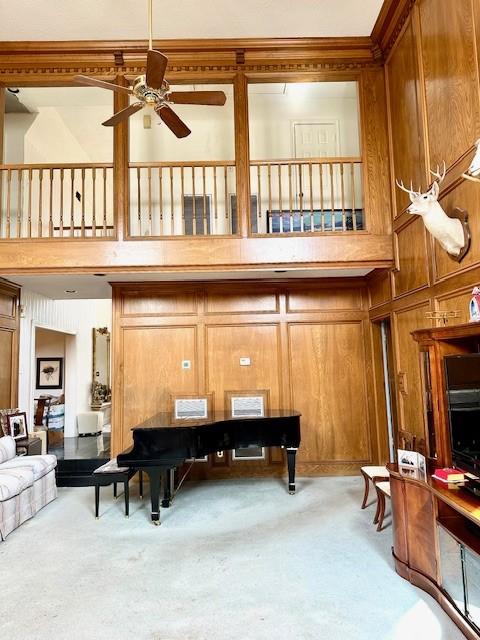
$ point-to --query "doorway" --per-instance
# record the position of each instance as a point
(385, 386)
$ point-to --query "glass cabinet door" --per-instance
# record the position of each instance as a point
(472, 579)
(428, 404)
(451, 567)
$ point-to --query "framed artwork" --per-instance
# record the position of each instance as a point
(17, 425)
(49, 373)
(247, 404)
(188, 406)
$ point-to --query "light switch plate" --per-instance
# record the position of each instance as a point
(244, 362)
(186, 364)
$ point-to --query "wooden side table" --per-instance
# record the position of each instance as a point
(29, 446)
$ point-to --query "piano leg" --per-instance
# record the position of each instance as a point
(291, 456)
(154, 476)
(167, 488)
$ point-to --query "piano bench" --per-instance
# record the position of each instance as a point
(110, 473)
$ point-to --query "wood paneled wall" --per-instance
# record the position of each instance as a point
(9, 332)
(307, 342)
(433, 94)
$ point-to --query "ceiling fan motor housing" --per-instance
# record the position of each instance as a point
(151, 96)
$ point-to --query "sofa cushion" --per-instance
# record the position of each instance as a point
(7, 448)
(14, 481)
(40, 465)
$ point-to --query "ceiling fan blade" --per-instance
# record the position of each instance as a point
(173, 122)
(156, 66)
(93, 82)
(213, 98)
(122, 115)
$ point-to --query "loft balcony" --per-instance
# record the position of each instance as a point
(146, 209)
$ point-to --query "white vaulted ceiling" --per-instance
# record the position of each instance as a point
(127, 19)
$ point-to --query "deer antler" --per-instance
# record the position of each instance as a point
(439, 176)
(401, 186)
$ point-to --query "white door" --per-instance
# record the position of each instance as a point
(314, 184)
(316, 139)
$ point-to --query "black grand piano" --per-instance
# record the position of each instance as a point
(161, 444)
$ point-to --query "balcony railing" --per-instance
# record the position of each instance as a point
(306, 195)
(310, 195)
(186, 199)
(56, 201)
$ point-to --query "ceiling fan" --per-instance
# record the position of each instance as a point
(153, 90)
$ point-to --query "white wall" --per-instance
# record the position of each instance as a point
(73, 317)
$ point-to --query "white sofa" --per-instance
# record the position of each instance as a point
(27, 483)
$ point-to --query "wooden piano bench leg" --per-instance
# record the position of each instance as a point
(97, 500)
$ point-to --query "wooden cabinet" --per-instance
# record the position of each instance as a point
(436, 544)
(434, 345)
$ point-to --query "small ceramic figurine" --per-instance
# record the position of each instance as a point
(475, 305)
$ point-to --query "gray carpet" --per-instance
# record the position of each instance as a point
(233, 560)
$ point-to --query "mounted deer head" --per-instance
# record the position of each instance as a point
(450, 232)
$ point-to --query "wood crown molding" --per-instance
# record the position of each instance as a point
(25, 58)
(390, 21)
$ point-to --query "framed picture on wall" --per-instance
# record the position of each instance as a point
(49, 373)
(187, 406)
(247, 404)
(17, 425)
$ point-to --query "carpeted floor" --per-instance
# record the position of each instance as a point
(233, 560)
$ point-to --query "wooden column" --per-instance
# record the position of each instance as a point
(120, 164)
(2, 121)
(242, 153)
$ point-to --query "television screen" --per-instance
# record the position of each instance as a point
(462, 374)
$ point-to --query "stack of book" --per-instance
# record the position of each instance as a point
(449, 475)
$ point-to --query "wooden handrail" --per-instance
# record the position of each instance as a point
(69, 165)
(307, 161)
(188, 165)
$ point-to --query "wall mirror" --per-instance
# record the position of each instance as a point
(100, 367)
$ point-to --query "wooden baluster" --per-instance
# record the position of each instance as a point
(30, 179)
(354, 213)
(40, 203)
(182, 195)
(139, 207)
(62, 176)
(172, 211)
(160, 197)
(72, 202)
(280, 200)
(300, 194)
(149, 178)
(204, 218)
(104, 217)
(2, 178)
(322, 214)
(20, 204)
(50, 206)
(82, 231)
(332, 194)
(259, 199)
(269, 186)
(94, 202)
(310, 180)
(215, 200)
(225, 186)
(290, 195)
(342, 191)
(9, 192)
(194, 204)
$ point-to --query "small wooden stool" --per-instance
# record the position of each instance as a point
(111, 473)
(383, 491)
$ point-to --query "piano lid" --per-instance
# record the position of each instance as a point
(165, 420)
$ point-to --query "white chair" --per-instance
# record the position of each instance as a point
(90, 423)
(372, 474)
